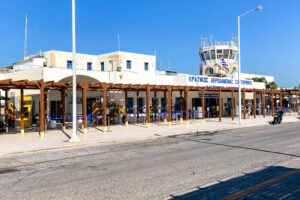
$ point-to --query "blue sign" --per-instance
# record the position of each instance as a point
(200, 79)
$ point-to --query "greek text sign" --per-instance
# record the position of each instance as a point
(218, 81)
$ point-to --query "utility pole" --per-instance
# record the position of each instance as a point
(74, 135)
(25, 41)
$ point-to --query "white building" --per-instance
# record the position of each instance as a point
(117, 67)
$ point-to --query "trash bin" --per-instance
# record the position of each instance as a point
(52, 123)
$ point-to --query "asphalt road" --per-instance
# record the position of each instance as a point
(250, 163)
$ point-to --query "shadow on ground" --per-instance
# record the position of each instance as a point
(274, 182)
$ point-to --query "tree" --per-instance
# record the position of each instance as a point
(260, 79)
(114, 110)
(272, 85)
(269, 85)
(297, 87)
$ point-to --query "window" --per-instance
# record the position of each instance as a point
(141, 105)
(153, 104)
(89, 66)
(130, 105)
(128, 64)
(102, 66)
(226, 52)
(162, 104)
(178, 104)
(69, 64)
(230, 54)
(207, 56)
(202, 56)
(213, 54)
(211, 71)
(146, 66)
(219, 51)
(233, 55)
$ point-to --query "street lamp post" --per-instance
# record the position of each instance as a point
(74, 135)
(239, 71)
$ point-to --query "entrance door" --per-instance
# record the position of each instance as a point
(212, 106)
(55, 109)
(141, 105)
(89, 109)
(130, 105)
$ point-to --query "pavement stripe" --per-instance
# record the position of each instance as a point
(260, 185)
(85, 155)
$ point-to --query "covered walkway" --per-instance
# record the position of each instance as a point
(167, 90)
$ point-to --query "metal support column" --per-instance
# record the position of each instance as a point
(22, 112)
(280, 99)
(46, 106)
(165, 107)
(220, 105)
(84, 107)
(187, 114)
(203, 106)
(137, 107)
(155, 106)
(254, 104)
(42, 110)
(6, 110)
(244, 102)
(126, 108)
(297, 98)
(181, 107)
(170, 104)
(264, 103)
(148, 105)
(272, 102)
(63, 110)
(232, 105)
(104, 91)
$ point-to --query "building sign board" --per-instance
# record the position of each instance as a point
(210, 95)
(217, 82)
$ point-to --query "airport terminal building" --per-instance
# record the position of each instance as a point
(134, 85)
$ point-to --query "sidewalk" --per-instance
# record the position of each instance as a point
(56, 139)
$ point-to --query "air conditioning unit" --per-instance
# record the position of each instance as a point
(119, 69)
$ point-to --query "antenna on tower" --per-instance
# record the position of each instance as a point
(119, 46)
(161, 68)
(203, 40)
(25, 41)
(233, 39)
(210, 38)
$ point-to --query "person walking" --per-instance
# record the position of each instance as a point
(249, 110)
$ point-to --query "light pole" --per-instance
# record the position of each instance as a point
(74, 135)
(239, 71)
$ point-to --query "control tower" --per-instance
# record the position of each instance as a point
(218, 59)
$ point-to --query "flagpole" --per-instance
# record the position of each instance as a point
(74, 135)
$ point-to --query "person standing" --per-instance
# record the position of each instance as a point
(9, 120)
(13, 120)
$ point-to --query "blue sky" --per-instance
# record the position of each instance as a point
(269, 38)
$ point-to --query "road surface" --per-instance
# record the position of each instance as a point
(251, 163)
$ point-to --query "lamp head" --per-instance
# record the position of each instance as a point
(259, 8)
